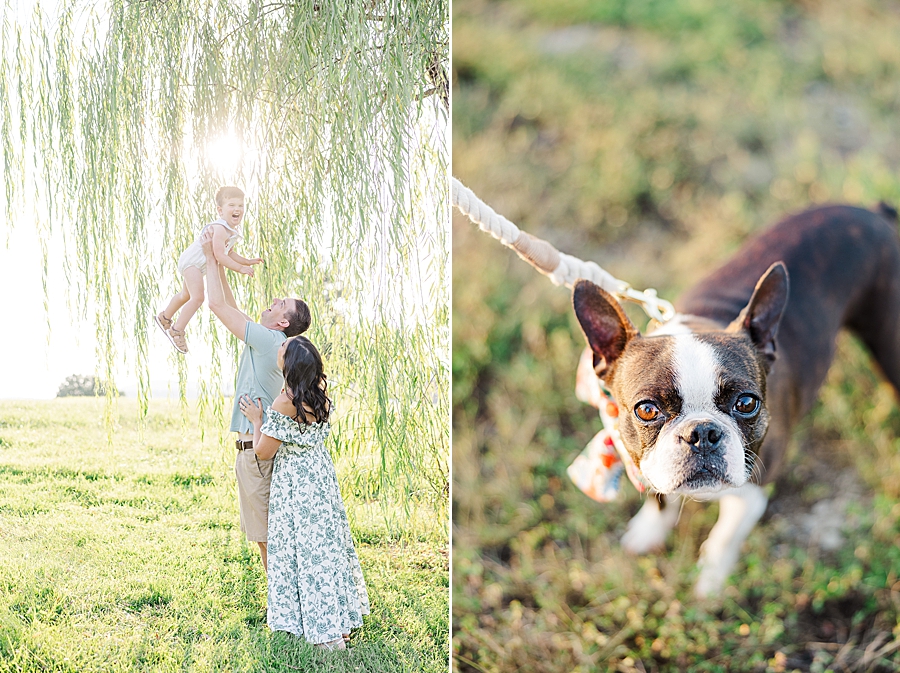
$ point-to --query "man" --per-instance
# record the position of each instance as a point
(258, 376)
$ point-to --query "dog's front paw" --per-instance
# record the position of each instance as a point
(739, 510)
(715, 566)
(710, 582)
(648, 530)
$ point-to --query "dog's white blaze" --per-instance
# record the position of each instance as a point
(697, 379)
(696, 373)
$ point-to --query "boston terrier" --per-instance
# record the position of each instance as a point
(708, 400)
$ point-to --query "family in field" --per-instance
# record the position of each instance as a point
(290, 503)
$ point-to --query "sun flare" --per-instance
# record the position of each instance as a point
(225, 154)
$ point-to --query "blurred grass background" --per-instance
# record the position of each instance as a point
(653, 137)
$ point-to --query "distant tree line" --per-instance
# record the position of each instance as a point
(78, 385)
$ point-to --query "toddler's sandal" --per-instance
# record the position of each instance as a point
(163, 322)
(177, 339)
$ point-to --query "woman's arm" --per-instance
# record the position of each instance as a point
(264, 446)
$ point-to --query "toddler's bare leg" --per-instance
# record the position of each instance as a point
(179, 300)
(193, 285)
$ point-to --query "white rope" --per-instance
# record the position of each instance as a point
(561, 268)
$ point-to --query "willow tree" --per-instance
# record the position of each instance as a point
(119, 120)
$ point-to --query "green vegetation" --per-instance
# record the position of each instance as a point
(654, 137)
(128, 557)
(120, 119)
(79, 385)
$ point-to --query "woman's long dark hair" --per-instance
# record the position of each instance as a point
(305, 381)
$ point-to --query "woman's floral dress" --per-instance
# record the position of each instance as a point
(316, 586)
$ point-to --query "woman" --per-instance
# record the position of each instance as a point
(316, 587)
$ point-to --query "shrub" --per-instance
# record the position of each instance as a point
(78, 385)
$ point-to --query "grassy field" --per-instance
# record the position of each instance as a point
(653, 137)
(128, 557)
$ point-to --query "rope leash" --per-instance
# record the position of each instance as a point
(561, 268)
(598, 469)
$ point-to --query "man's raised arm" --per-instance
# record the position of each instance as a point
(226, 290)
(227, 313)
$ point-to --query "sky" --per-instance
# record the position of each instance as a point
(37, 359)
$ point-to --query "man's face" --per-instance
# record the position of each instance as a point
(275, 316)
(232, 210)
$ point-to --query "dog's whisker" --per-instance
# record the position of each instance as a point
(753, 466)
(758, 466)
(761, 466)
(749, 466)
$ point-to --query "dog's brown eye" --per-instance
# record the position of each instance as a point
(746, 405)
(647, 411)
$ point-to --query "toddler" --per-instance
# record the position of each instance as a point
(192, 264)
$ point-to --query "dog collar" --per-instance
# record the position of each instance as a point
(609, 416)
(598, 469)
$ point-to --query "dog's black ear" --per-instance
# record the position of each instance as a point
(762, 315)
(603, 322)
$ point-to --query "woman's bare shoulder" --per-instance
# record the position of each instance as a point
(284, 405)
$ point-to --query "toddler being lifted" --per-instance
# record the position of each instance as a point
(226, 232)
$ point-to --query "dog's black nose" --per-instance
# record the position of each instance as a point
(704, 437)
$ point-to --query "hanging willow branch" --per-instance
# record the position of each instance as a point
(108, 110)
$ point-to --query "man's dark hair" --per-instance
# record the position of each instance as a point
(298, 320)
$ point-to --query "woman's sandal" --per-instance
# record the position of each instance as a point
(339, 644)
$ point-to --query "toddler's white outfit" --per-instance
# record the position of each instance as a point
(194, 256)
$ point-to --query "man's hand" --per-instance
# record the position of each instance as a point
(246, 270)
(255, 260)
(207, 241)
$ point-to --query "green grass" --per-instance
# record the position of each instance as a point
(653, 137)
(541, 584)
(128, 557)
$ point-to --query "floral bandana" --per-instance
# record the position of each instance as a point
(598, 468)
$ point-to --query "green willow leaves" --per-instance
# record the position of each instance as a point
(119, 120)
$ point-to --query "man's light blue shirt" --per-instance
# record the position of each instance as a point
(258, 374)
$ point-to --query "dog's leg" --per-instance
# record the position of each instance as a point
(876, 319)
(739, 510)
(650, 526)
(884, 344)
